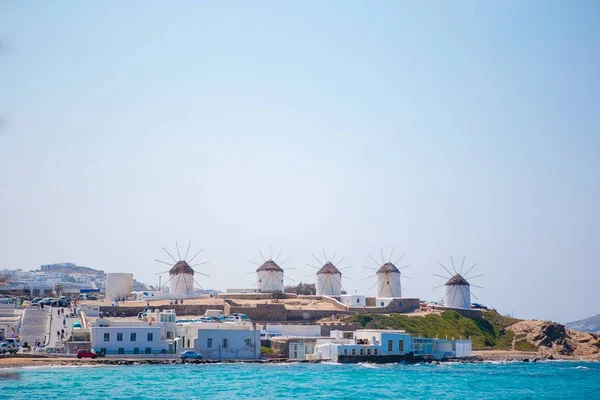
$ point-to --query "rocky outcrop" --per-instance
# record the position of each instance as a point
(551, 338)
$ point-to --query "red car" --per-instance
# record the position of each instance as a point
(86, 354)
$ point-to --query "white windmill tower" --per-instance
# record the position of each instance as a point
(329, 277)
(388, 276)
(181, 274)
(269, 274)
(457, 289)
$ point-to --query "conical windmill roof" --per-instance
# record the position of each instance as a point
(328, 268)
(388, 267)
(457, 280)
(181, 267)
(269, 265)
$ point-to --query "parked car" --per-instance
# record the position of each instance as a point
(9, 345)
(26, 304)
(478, 306)
(242, 316)
(46, 301)
(86, 354)
(237, 318)
(76, 325)
(190, 354)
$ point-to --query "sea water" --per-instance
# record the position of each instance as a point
(553, 380)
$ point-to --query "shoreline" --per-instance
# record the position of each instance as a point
(479, 356)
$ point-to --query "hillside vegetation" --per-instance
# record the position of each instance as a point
(488, 331)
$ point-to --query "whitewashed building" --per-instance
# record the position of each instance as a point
(228, 341)
(329, 280)
(457, 293)
(385, 345)
(354, 300)
(154, 336)
(269, 277)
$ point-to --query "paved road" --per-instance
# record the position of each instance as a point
(34, 325)
(57, 326)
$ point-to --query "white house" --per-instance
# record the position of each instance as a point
(354, 300)
(228, 341)
(292, 330)
(156, 336)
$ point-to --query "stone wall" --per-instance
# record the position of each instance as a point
(180, 309)
(312, 315)
(255, 296)
(258, 312)
(327, 327)
(395, 306)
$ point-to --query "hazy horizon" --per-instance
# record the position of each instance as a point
(467, 129)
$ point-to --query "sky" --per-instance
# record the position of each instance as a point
(437, 129)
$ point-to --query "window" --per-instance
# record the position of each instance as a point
(358, 301)
(209, 343)
(119, 337)
(136, 350)
(345, 352)
(401, 345)
(225, 343)
(369, 351)
(362, 352)
(132, 337)
(390, 345)
(247, 342)
(169, 335)
(148, 350)
(353, 352)
(107, 337)
(399, 304)
(121, 350)
(382, 304)
(150, 336)
(375, 351)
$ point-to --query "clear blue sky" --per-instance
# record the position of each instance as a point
(442, 129)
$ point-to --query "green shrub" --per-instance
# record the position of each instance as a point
(525, 346)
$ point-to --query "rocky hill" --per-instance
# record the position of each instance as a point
(591, 324)
(551, 338)
(493, 331)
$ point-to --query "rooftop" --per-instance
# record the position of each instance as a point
(328, 268)
(269, 265)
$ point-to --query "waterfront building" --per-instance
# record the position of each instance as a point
(225, 341)
(376, 345)
(156, 335)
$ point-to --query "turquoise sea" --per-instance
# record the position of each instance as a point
(552, 380)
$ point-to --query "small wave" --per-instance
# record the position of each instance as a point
(581, 367)
(368, 365)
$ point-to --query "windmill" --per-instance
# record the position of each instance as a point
(181, 274)
(388, 276)
(269, 275)
(457, 290)
(329, 277)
